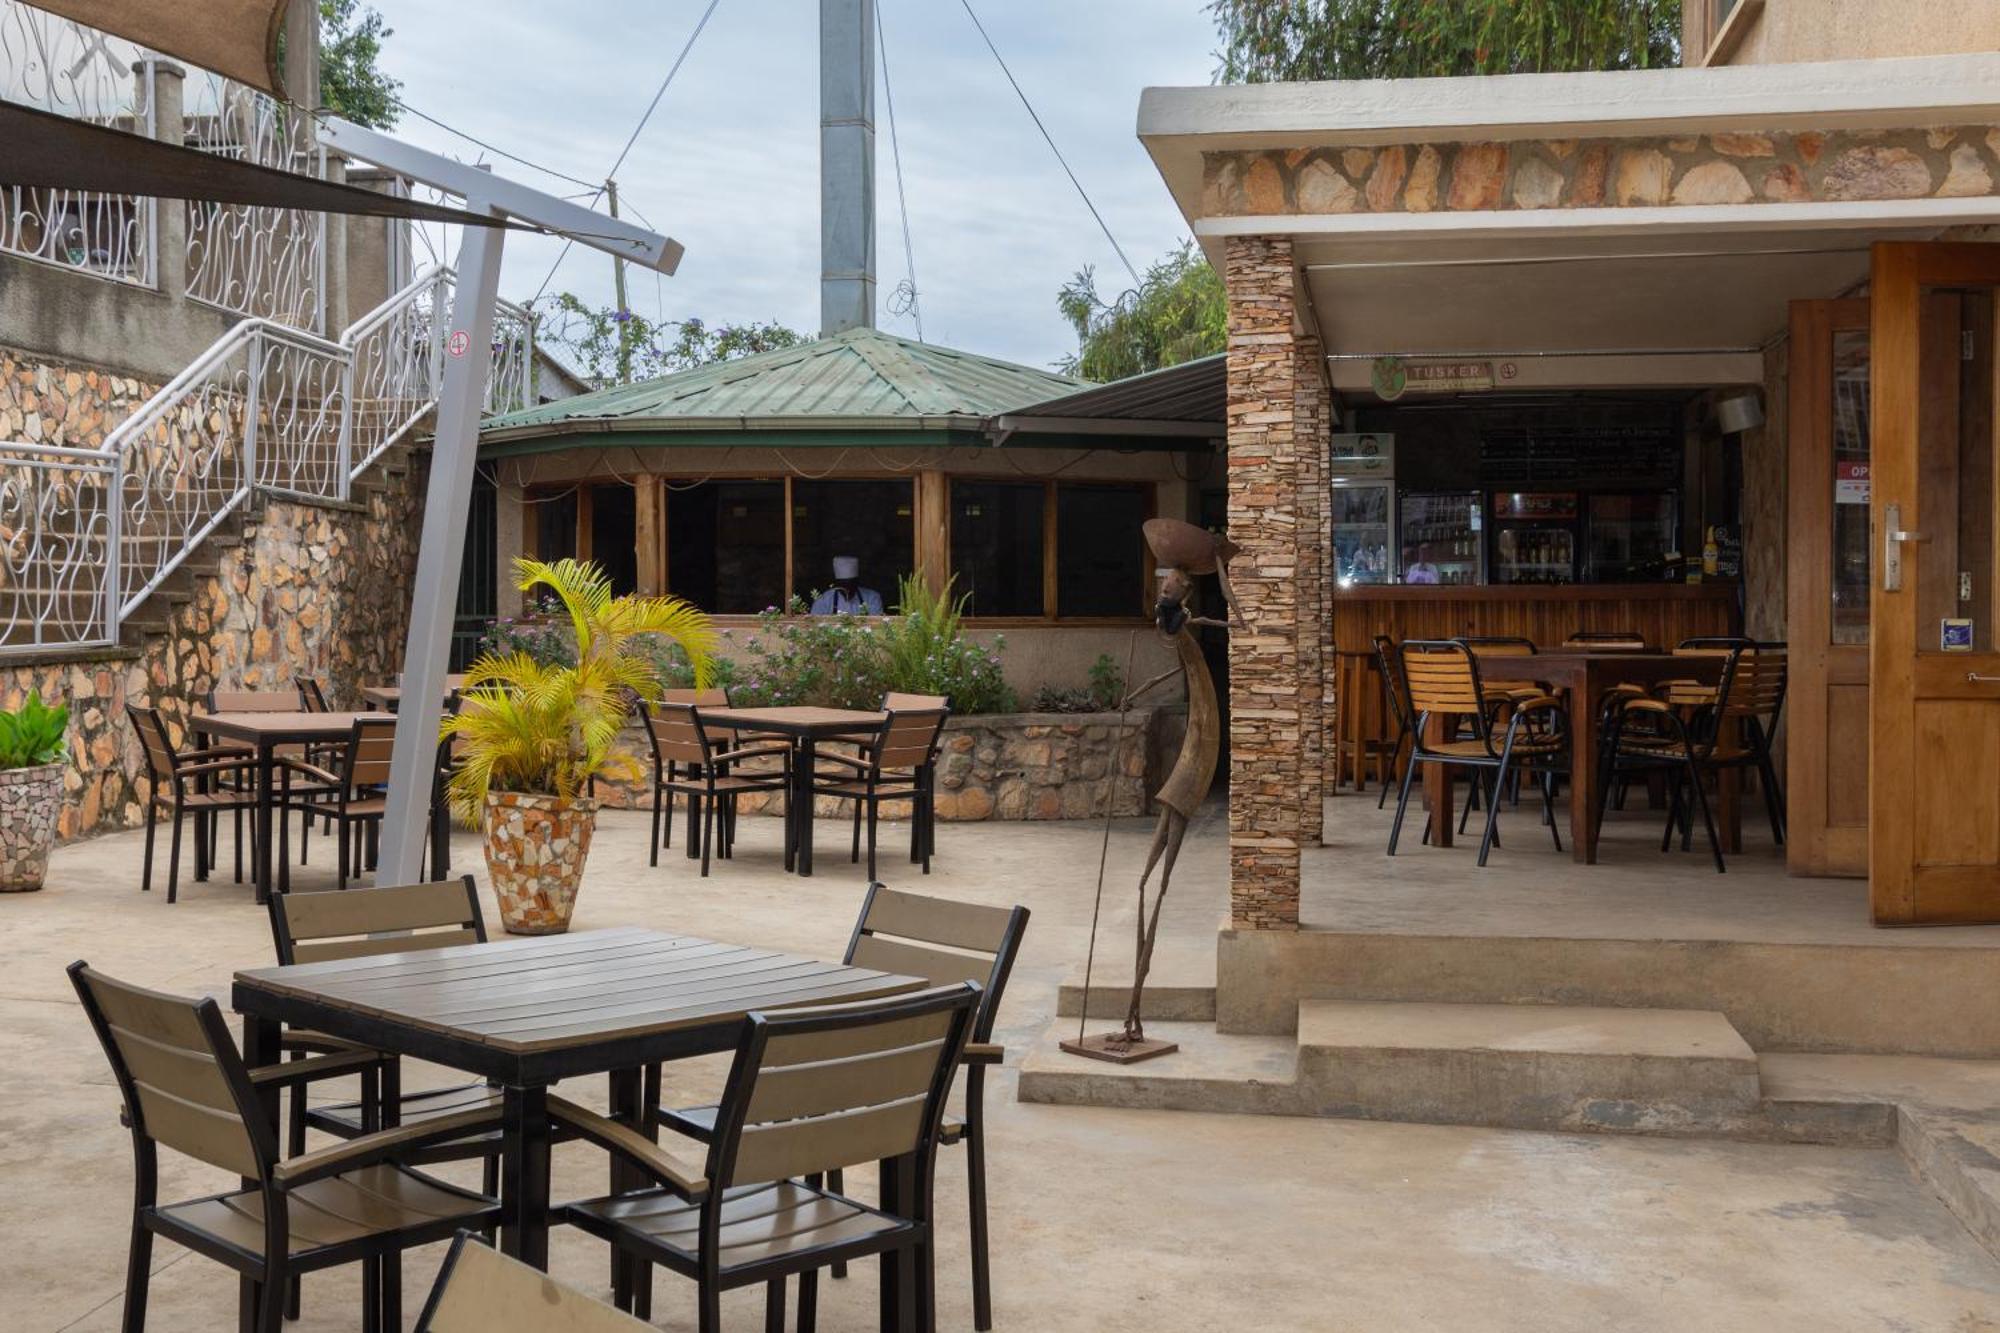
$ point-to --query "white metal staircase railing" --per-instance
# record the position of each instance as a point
(87, 535)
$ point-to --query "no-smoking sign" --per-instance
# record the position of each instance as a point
(460, 340)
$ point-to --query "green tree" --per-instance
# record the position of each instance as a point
(1266, 41)
(611, 346)
(351, 83)
(1175, 314)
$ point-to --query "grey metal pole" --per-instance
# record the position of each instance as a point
(468, 348)
(846, 165)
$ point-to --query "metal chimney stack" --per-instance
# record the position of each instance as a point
(846, 165)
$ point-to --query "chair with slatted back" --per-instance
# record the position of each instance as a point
(1386, 655)
(312, 694)
(480, 1290)
(897, 764)
(1440, 680)
(1696, 731)
(943, 942)
(186, 782)
(696, 760)
(721, 738)
(186, 1088)
(353, 795)
(362, 923)
(810, 1091)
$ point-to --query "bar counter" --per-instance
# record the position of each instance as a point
(1663, 613)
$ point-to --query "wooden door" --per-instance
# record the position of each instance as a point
(1827, 590)
(1934, 811)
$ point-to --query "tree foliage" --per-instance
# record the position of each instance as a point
(1175, 314)
(610, 346)
(351, 83)
(1265, 41)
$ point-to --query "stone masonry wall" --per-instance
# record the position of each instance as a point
(1265, 744)
(1720, 168)
(312, 587)
(1314, 411)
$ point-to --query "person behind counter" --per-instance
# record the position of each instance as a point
(847, 595)
(1423, 569)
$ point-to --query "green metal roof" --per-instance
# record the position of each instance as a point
(861, 381)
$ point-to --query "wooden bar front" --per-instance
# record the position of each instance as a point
(1663, 613)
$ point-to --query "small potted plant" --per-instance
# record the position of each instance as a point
(531, 734)
(34, 739)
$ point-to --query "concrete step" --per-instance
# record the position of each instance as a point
(1525, 1066)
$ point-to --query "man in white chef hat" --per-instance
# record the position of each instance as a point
(847, 594)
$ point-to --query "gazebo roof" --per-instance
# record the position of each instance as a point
(858, 383)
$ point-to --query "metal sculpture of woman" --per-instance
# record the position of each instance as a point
(1182, 552)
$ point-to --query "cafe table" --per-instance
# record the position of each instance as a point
(389, 697)
(1583, 677)
(805, 727)
(524, 1012)
(264, 734)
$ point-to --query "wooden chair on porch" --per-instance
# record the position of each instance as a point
(897, 764)
(353, 795)
(203, 783)
(688, 762)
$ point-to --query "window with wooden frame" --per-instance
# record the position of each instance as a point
(1050, 550)
(870, 520)
(595, 521)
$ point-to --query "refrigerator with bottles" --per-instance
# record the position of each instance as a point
(1361, 470)
(1535, 537)
(1441, 537)
(1631, 538)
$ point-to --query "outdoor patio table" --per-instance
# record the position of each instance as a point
(526, 1012)
(1583, 677)
(266, 733)
(806, 727)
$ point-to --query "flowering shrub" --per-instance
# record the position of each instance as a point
(543, 632)
(798, 658)
(926, 652)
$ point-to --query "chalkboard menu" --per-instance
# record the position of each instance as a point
(1636, 456)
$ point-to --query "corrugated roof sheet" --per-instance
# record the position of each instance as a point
(861, 374)
(1193, 391)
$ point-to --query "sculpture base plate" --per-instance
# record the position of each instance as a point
(1113, 1047)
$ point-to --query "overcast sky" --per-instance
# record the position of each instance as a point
(729, 163)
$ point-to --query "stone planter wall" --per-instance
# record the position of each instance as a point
(312, 587)
(1015, 766)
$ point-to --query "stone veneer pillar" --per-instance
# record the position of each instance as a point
(1310, 392)
(1265, 744)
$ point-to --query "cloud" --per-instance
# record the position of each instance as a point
(729, 163)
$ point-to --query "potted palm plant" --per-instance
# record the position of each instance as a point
(34, 739)
(531, 734)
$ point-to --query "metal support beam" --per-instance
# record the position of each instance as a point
(846, 165)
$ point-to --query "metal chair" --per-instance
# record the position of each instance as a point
(686, 761)
(896, 764)
(944, 942)
(185, 1087)
(1440, 678)
(810, 1091)
(480, 1290)
(1392, 687)
(183, 782)
(353, 797)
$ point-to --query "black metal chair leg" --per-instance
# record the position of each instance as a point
(975, 1189)
(1402, 803)
(774, 1306)
(707, 832)
(808, 1301)
(1492, 809)
(1707, 817)
(146, 868)
(836, 1181)
(174, 858)
(138, 1275)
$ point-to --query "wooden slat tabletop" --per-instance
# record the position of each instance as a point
(579, 994)
(799, 721)
(281, 727)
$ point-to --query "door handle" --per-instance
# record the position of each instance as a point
(1894, 535)
(1974, 678)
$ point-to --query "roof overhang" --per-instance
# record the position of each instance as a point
(1628, 296)
(1180, 407)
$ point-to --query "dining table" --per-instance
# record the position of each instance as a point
(264, 734)
(805, 727)
(1583, 677)
(525, 1012)
(390, 697)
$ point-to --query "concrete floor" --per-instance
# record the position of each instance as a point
(1102, 1219)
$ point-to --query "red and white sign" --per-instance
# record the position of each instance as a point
(1851, 483)
(460, 340)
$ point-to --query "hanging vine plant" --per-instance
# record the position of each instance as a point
(1268, 41)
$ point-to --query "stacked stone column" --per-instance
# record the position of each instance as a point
(1309, 386)
(1266, 709)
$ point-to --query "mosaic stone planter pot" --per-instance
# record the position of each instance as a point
(535, 849)
(30, 800)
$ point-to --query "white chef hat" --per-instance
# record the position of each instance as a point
(846, 567)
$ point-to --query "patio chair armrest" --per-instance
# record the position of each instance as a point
(241, 754)
(677, 1174)
(1648, 706)
(1537, 703)
(313, 1068)
(848, 761)
(984, 1053)
(750, 752)
(320, 1043)
(382, 1146)
(291, 764)
(185, 770)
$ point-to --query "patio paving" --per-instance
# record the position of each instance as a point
(1103, 1219)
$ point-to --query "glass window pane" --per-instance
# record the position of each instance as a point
(870, 522)
(726, 544)
(1955, 472)
(1101, 550)
(1850, 553)
(614, 533)
(554, 517)
(996, 546)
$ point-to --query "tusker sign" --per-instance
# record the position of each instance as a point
(1392, 377)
